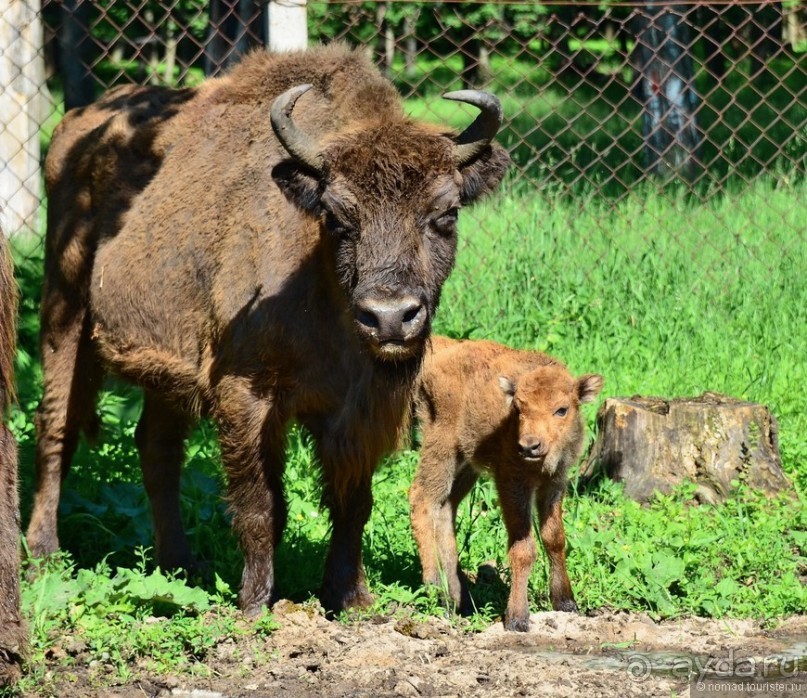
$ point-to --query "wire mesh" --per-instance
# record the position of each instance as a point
(580, 83)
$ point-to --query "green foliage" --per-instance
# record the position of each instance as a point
(113, 619)
(660, 293)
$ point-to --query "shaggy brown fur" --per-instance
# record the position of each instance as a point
(514, 414)
(187, 252)
(12, 630)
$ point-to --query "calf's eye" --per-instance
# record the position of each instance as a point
(561, 412)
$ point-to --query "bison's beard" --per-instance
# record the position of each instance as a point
(401, 368)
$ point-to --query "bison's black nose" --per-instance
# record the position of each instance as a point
(531, 447)
(398, 319)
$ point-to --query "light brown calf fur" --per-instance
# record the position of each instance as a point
(12, 630)
(515, 414)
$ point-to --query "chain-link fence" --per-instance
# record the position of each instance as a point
(601, 99)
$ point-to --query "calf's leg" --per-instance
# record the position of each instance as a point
(516, 501)
(437, 490)
(550, 513)
(252, 438)
(160, 437)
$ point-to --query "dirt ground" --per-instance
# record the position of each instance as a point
(608, 654)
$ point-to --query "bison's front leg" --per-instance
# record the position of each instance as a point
(344, 584)
(252, 441)
(516, 502)
(347, 479)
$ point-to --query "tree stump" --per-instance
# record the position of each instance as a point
(652, 444)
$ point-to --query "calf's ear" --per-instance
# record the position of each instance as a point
(589, 386)
(299, 185)
(508, 387)
(484, 173)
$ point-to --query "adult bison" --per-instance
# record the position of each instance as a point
(12, 630)
(254, 278)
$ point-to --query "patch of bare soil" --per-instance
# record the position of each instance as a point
(609, 654)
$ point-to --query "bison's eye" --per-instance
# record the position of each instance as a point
(337, 227)
(446, 223)
(561, 412)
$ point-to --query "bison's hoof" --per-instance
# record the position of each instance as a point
(335, 602)
(10, 663)
(517, 624)
(567, 606)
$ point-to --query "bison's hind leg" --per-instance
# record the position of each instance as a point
(72, 379)
(160, 438)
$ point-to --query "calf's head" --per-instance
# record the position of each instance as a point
(387, 195)
(546, 402)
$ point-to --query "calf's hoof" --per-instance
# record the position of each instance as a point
(41, 543)
(519, 624)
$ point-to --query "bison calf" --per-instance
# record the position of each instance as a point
(515, 414)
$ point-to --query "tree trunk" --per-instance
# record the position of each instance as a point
(667, 89)
(170, 52)
(795, 29)
(652, 444)
(380, 50)
(389, 47)
(410, 45)
(23, 98)
(287, 25)
(75, 53)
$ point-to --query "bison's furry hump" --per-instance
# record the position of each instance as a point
(349, 85)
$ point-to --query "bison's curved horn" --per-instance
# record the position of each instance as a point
(298, 144)
(482, 131)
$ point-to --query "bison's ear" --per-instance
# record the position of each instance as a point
(508, 387)
(484, 173)
(589, 386)
(299, 185)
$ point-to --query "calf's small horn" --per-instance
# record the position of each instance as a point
(299, 145)
(474, 139)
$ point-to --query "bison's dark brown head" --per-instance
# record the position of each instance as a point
(387, 195)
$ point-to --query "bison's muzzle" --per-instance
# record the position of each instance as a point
(394, 327)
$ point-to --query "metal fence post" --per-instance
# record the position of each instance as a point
(286, 25)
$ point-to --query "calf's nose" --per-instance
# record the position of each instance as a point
(531, 447)
(396, 319)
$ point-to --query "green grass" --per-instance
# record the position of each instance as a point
(663, 296)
